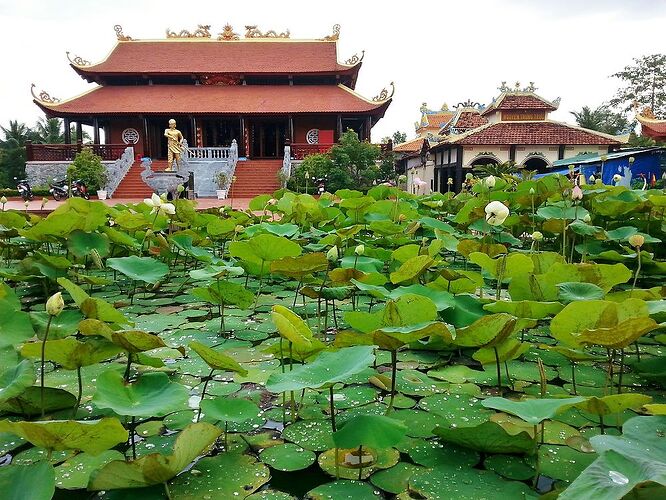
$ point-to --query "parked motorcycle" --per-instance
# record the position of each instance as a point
(59, 189)
(24, 189)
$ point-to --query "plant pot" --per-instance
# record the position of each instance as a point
(101, 194)
(221, 194)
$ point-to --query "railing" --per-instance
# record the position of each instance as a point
(301, 150)
(212, 154)
(117, 171)
(285, 172)
(67, 152)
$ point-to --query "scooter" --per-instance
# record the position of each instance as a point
(24, 189)
(59, 189)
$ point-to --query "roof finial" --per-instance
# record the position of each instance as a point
(120, 35)
(253, 32)
(203, 31)
(228, 33)
(384, 94)
(43, 96)
(468, 104)
(77, 61)
(517, 86)
(503, 87)
(354, 60)
(530, 88)
(335, 36)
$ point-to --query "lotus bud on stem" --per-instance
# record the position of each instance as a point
(54, 306)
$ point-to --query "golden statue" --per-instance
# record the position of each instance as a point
(174, 145)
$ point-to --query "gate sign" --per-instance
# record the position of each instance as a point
(130, 136)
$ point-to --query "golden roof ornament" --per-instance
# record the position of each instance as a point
(43, 96)
(203, 31)
(353, 60)
(78, 61)
(335, 36)
(120, 35)
(253, 32)
(228, 33)
(384, 94)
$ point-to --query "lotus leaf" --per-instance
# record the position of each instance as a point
(17, 482)
(619, 336)
(71, 353)
(144, 269)
(507, 265)
(151, 395)
(488, 437)
(74, 473)
(287, 457)
(329, 367)
(374, 431)
(486, 330)
(91, 436)
(298, 267)
(572, 292)
(292, 327)
(230, 409)
(81, 244)
(342, 488)
(156, 468)
(525, 308)
(14, 380)
(29, 402)
(412, 269)
(615, 403)
(532, 411)
(217, 360)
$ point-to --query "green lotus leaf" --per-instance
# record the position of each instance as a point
(63, 325)
(532, 411)
(29, 402)
(525, 308)
(153, 394)
(264, 248)
(635, 458)
(615, 403)
(81, 244)
(230, 409)
(71, 353)
(441, 299)
(376, 291)
(228, 293)
(342, 488)
(18, 482)
(217, 360)
(16, 379)
(584, 229)
(562, 211)
(392, 338)
(572, 292)
(374, 431)
(467, 310)
(298, 267)
(329, 367)
(362, 263)
(619, 336)
(144, 269)
(213, 271)
(90, 436)
(486, 330)
(576, 317)
(292, 327)
(92, 307)
(15, 325)
(120, 238)
(507, 350)
(287, 457)
(507, 265)
(488, 437)
(184, 243)
(136, 340)
(412, 269)
(74, 473)
(156, 468)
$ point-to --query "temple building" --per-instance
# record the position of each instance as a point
(257, 92)
(650, 125)
(516, 128)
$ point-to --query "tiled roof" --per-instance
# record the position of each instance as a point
(519, 101)
(409, 146)
(537, 132)
(464, 119)
(210, 56)
(652, 127)
(214, 99)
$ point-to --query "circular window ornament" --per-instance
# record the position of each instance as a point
(312, 136)
(130, 136)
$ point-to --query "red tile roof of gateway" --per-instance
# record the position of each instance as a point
(409, 146)
(538, 132)
(214, 99)
(519, 101)
(655, 126)
(211, 56)
(465, 119)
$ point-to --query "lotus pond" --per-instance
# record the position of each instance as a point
(502, 343)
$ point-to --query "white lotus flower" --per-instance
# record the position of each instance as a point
(158, 205)
(496, 213)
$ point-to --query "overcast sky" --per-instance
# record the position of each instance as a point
(435, 52)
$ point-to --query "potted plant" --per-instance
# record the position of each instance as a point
(222, 180)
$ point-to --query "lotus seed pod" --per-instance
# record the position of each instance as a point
(55, 304)
(636, 240)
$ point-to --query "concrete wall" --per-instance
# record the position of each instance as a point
(42, 173)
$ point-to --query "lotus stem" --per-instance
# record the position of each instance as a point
(535, 481)
(166, 490)
(226, 432)
(499, 371)
(41, 375)
(261, 279)
(132, 440)
(78, 399)
(619, 379)
(203, 392)
(394, 369)
(638, 268)
(360, 459)
(332, 407)
(573, 377)
(128, 367)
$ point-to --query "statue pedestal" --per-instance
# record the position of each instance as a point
(165, 182)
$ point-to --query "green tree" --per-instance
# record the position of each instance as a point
(15, 135)
(49, 131)
(644, 84)
(601, 119)
(88, 167)
(398, 137)
(12, 152)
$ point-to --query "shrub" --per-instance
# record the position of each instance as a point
(88, 167)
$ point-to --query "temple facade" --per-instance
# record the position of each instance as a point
(256, 91)
(514, 127)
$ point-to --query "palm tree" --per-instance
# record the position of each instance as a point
(602, 119)
(15, 135)
(49, 131)
(589, 118)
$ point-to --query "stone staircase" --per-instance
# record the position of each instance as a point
(132, 186)
(255, 177)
